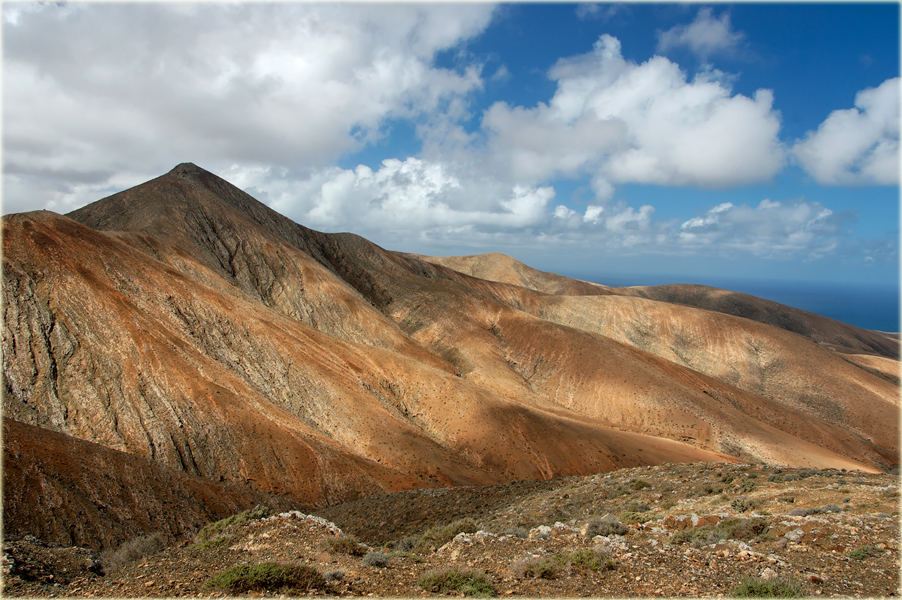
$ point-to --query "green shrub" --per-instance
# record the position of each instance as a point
(605, 526)
(585, 560)
(639, 484)
(535, 567)
(436, 537)
(735, 529)
(207, 537)
(863, 553)
(629, 516)
(346, 544)
(743, 504)
(774, 588)
(470, 583)
(267, 577)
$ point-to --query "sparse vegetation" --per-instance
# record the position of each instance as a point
(438, 536)
(470, 583)
(774, 588)
(375, 558)
(605, 526)
(639, 484)
(212, 534)
(346, 544)
(585, 560)
(743, 504)
(736, 529)
(863, 553)
(268, 577)
(629, 516)
(535, 567)
(130, 551)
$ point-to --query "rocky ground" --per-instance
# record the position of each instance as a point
(670, 530)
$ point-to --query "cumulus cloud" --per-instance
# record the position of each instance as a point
(858, 145)
(622, 122)
(706, 36)
(99, 89)
(418, 205)
(768, 229)
(402, 200)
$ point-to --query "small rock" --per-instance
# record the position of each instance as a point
(815, 578)
(768, 574)
(542, 532)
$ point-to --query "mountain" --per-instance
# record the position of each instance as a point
(185, 323)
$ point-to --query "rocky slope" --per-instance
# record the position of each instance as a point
(70, 492)
(185, 323)
(671, 530)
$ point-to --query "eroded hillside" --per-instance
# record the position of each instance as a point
(185, 323)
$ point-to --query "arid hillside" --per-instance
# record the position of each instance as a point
(186, 324)
(690, 530)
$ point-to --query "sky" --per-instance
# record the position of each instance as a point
(613, 141)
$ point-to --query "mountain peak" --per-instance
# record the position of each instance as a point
(186, 168)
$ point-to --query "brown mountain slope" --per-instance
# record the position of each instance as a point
(495, 266)
(184, 322)
(825, 331)
(450, 314)
(71, 492)
(417, 294)
(829, 332)
(116, 347)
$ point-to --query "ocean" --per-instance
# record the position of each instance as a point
(871, 306)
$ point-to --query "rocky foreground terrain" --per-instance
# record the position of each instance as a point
(667, 530)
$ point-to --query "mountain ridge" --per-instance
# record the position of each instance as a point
(186, 323)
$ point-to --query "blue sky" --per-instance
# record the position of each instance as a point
(610, 141)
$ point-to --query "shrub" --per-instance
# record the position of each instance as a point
(207, 536)
(736, 529)
(863, 553)
(375, 559)
(436, 537)
(406, 544)
(346, 544)
(629, 516)
(605, 526)
(639, 484)
(773, 588)
(470, 583)
(585, 560)
(743, 504)
(130, 551)
(637, 507)
(336, 575)
(266, 577)
(536, 567)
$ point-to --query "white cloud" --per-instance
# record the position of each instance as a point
(90, 92)
(857, 145)
(401, 201)
(768, 229)
(621, 122)
(706, 36)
